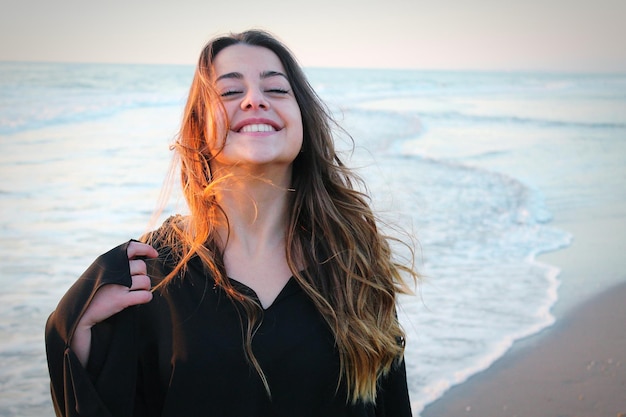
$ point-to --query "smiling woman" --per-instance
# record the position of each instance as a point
(275, 296)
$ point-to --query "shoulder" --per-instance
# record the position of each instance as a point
(170, 242)
(168, 234)
(166, 239)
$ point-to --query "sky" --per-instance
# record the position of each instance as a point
(522, 35)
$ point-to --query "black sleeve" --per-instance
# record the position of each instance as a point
(393, 394)
(105, 387)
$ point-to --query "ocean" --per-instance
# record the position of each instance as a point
(475, 165)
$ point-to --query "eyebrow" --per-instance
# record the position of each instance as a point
(263, 75)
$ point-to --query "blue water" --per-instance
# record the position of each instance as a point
(475, 165)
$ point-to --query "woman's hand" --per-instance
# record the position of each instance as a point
(110, 299)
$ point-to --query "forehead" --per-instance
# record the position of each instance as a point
(247, 60)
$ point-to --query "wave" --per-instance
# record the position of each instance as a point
(511, 119)
(480, 232)
(35, 96)
(48, 114)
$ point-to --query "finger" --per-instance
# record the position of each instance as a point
(137, 267)
(138, 297)
(140, 282)
(137, 249)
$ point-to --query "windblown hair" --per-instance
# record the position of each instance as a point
(349, 271)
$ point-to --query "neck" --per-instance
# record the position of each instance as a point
(257, 213)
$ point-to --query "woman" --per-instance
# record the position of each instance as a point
(275, 296)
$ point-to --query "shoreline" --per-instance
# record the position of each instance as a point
(577, 366)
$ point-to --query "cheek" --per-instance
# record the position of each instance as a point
(299, 126)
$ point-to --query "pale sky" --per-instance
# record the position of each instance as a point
(544, 35)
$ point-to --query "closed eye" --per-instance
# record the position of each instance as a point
(277, 91)
(229, 93)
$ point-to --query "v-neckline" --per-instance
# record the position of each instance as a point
(287, 289)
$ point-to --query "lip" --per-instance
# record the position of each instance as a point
(253, 121)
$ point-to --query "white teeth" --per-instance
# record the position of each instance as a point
(257, 128)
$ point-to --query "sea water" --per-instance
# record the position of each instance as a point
(473, 165)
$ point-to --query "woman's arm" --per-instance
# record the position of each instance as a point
(108, 387)
(110, 299)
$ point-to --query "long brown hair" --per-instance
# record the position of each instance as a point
(350, 273)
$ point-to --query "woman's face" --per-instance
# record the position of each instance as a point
(264, 117)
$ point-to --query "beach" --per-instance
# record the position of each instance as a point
(577, 367)
(511, 183)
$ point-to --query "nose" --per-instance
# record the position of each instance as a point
(254, 99)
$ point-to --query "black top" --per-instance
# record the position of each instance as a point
(182, 355)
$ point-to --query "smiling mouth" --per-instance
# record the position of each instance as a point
(253, 128)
